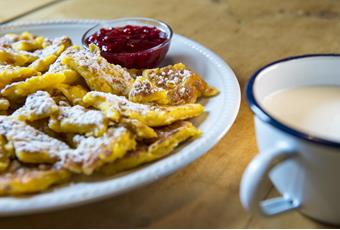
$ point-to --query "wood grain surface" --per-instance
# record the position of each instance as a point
(13, 9)
(247, 34)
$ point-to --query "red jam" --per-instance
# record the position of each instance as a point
(130, 46)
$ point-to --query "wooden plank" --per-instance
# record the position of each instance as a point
(11, 9)
(247, 34)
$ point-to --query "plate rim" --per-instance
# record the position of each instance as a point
(144, 178)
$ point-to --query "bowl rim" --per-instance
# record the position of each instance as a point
(264, 116)
(164, 43)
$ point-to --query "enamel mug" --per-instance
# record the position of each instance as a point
(304, 168)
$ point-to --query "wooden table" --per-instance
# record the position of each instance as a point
(247, 34)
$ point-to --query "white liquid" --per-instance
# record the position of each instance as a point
(311, 109)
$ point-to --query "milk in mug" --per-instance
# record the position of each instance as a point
(311, 109)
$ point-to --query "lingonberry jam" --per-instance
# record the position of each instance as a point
(131, 46)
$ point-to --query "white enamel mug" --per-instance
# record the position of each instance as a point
(304, 168)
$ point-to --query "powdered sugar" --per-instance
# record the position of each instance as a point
(121, 103)
(143, 86)
(38, 105)
(96, 69)
(93, 152)
(8, 39)
(169, 78)
(58, 66)
(29, 140)
(91, 146)
(81, 116)
(180, 83)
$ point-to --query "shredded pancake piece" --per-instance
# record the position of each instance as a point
(29, 45)
(23, 179)
(92, 152)
(114, 107)
(31, 145)
(50, 54)
(77, 119)
(168, 139)
(144, 91)
(4, 104)
(9, 74)
(140, 129)
(98, 73)
(71, 76)
(38, 105)
(16, 57)
(21, 89)
(182, 84)
(6, 153)
(74, 94)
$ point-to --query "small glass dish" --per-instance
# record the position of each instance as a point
(148, 58)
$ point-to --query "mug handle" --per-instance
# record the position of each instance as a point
(256, 176)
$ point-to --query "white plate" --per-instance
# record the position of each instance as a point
(221, 113)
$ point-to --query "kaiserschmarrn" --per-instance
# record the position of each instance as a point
(66, 111)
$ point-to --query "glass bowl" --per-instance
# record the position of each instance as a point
(148, 58)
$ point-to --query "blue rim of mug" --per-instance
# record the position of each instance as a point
(267, 118)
